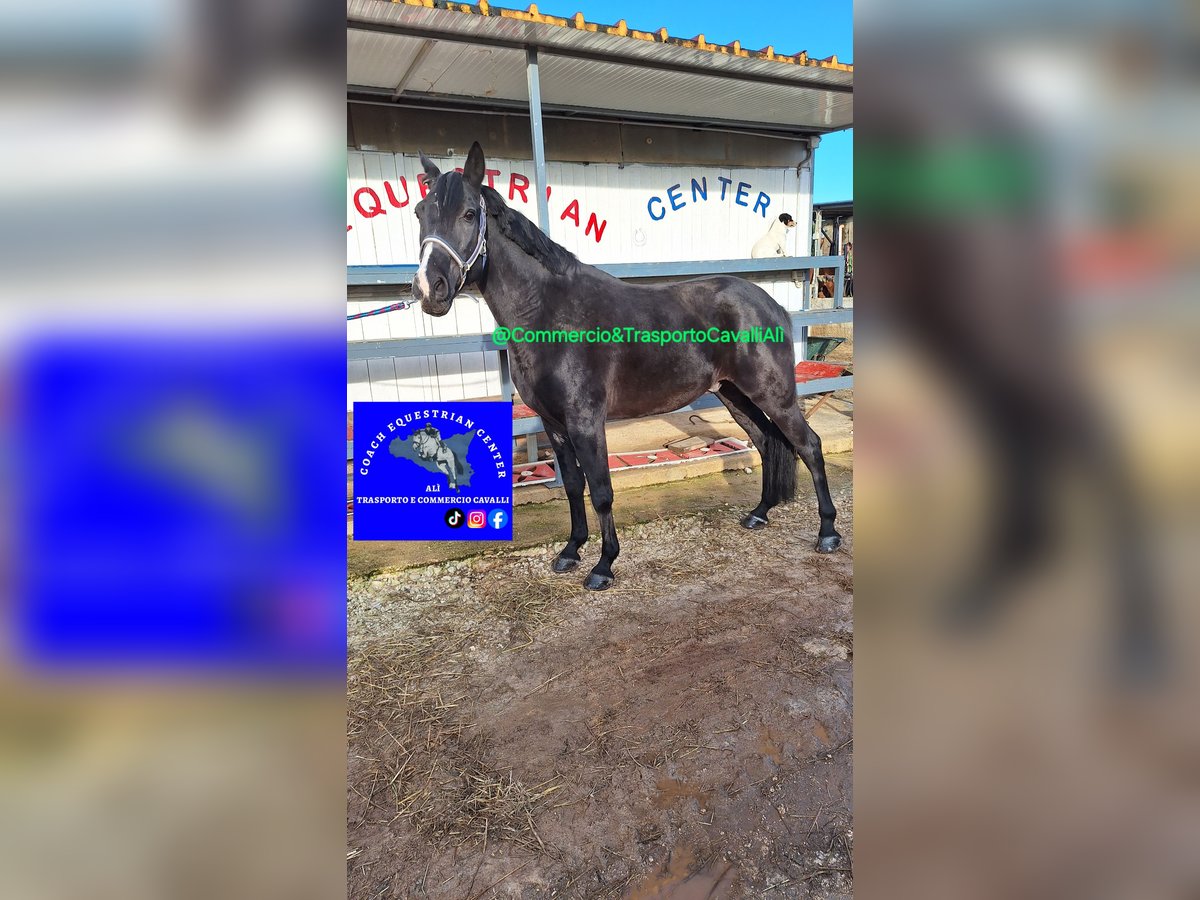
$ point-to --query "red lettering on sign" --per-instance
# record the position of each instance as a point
(518, 184)
(596, 226)
(369, 205)
(372, 212)
(391, 195)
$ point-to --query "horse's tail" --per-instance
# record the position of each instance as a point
(778, 455)
(778, 465)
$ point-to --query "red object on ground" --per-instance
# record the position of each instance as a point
(636, 459)
(808, 370)
(647, 459)
(521, 411)
(536, 472)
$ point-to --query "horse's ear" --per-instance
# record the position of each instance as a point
(431, 171)
(473, 169)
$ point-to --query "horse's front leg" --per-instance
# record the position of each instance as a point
(447, 469)
(591, 448)
(573, 483)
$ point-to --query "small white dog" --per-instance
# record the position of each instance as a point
(774, 242)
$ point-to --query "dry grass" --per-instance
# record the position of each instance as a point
(426, 764)
(530, 602)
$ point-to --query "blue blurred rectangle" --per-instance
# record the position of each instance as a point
(180, 503)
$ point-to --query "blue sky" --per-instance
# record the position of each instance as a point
(821, 27)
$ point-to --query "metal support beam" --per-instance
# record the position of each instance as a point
(539, 144)
(800, 331)
(506, 383)
(402, 273)
(418, 58)
(814, 284)
(493, 106)
(839, 278)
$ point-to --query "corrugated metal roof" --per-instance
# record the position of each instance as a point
(431, 48)
(504, 21)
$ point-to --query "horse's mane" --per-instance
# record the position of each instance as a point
(529, 237)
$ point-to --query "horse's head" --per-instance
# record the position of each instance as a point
(453, 231)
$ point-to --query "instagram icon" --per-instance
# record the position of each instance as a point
(475, 519)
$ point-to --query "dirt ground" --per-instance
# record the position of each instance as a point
(685, 734)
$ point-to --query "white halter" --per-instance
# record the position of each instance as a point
(479, 252)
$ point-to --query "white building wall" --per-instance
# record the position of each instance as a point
(625, 214)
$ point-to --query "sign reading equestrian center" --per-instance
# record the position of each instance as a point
(433, 471)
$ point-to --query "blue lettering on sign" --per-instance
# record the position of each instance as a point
(657, 207)
(673, 195)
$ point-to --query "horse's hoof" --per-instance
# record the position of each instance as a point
(564, 564)
(829, 543)
(753, 522)
(597, 582)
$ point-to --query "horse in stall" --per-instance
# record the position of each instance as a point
(470, 236)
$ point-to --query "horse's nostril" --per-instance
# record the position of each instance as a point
(441, 289)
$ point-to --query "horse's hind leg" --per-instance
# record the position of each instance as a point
(789, 417)
(778, 483)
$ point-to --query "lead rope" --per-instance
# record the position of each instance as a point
(395, 307)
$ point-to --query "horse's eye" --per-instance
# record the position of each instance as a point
(469, 215)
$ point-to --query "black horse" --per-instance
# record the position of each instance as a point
(470, 236)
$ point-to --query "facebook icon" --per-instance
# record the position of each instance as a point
(498, 518)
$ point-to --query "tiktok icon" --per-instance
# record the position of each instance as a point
(455, 517)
